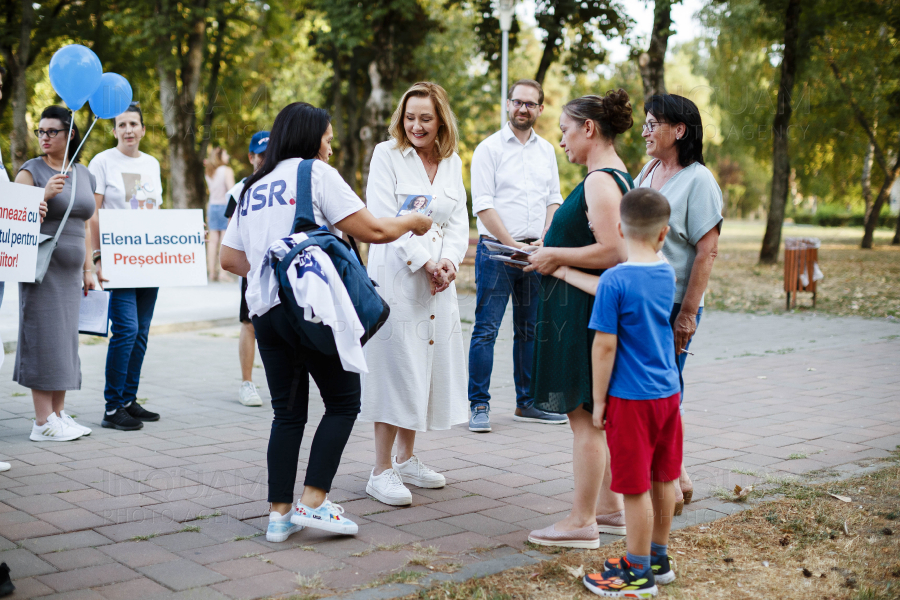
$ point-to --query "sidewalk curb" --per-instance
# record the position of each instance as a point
(162, 328)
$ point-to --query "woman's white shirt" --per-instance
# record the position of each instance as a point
(265, 214)
(117, 175)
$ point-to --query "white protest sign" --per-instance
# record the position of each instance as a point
(152, 248)
(20, 225)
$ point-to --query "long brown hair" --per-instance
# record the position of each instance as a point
(214, 161)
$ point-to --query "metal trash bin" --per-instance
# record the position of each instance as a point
(801, 267)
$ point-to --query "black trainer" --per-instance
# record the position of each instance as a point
(120, 420)
(140, 413)
(6, 584)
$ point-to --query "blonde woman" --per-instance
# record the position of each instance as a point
(417, 362)
(219, 179)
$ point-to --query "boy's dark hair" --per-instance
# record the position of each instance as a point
(644, 213)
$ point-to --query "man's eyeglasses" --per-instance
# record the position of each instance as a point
(650, 126)
(517, 104)
(50, 133)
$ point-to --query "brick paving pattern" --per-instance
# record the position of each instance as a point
(178, 509)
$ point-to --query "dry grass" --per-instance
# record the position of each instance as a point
(795, 547)
(857, 282)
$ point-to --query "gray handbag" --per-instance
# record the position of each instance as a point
(46, 243)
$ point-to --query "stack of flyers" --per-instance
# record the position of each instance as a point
(508, 254)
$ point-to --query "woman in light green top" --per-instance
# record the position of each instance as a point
(673, 131)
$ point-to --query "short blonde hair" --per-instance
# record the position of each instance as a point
(447, 141)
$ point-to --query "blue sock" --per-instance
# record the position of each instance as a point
(658, 550)
(640, 563)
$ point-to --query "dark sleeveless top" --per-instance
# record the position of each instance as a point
(561, 373)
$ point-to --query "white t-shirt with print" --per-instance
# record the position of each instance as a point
(126, 182)
(265, 214)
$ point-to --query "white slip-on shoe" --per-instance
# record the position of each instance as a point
(248, 395)
(388, 488)
(415, 472)
(5, 466)
(70, 422)
(54, 430)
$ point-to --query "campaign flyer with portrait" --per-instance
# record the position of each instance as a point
(415, 203)
(152, 248)
(20, 228)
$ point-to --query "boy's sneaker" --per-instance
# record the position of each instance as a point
(662, 567)
(388, 488)
(415, 472)
(536, 415)
(54, 430)
(622, 582)
(327, 517)
(480, 421)
(69, 421)
(140, 413)
(280, 527)
(249, 394)
(120, 420)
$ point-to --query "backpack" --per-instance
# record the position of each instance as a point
(370, 307)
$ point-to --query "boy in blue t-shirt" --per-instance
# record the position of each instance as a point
(636, 393)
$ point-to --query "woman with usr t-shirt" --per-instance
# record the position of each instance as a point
(127, 179)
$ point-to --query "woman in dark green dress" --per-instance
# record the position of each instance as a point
(583, 235)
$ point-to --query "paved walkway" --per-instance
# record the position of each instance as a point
(177, 509)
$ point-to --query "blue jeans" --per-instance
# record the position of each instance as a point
(495, 282)
(681, 358)
(130, 310)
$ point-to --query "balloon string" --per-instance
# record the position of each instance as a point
(68, 137)
(81, 144)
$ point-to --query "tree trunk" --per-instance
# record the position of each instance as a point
(883, 195)
(187, 187)
(18, 139)
(652, 63)
(212, 87)
(378, 111)
(549, 53)
(781, 162)
(867, 177)
(350, 142)
(896, 240)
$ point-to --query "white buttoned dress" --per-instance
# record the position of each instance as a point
(417, 362)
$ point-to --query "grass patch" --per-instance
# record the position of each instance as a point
(401, 576)
(18, 394)
(311, 582)
(190, 529)
(211, 334)
(378, 548)
(749, 472)
(141, 401)
(143, 538)
(793, 547)
(421, 555)
(218, 513)
(247, 537)
(797, 456)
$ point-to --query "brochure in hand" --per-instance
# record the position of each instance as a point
(509, 250)
(415, 203)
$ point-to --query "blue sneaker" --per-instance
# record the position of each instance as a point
(536, 415)
(327, 517)
(480, 420)
(280, 527)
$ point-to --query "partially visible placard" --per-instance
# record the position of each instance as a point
(20, 226)
(152, 248)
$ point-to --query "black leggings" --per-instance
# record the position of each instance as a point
(288, 366)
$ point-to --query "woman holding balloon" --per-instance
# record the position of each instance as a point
(47, 359)
(127, 179)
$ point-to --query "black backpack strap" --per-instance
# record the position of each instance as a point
(304, 217)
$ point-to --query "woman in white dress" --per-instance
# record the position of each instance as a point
(417, 362)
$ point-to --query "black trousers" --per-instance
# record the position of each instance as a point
(288, 366)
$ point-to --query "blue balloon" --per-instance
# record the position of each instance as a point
(75, 73)
(112, 96)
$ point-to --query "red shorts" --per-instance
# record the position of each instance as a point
(644, 438)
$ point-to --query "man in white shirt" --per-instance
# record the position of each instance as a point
(515, 191)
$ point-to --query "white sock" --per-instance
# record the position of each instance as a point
(129, 404)
(110, 412)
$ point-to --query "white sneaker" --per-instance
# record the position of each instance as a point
(70, 422)
(280, 527)
(415, 472)
(54, 430)
(5, 466)
(388, 488)
(249, 394)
